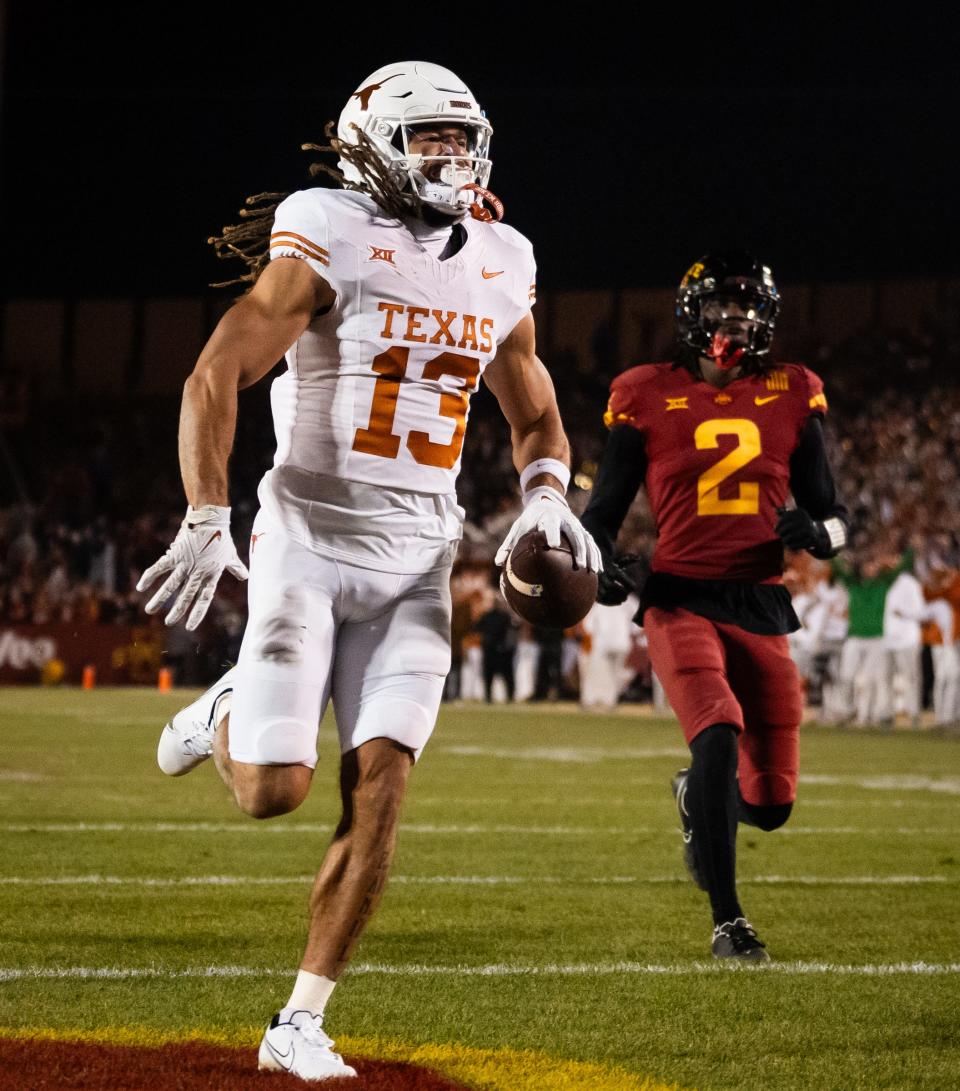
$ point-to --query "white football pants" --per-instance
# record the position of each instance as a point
(378, 643)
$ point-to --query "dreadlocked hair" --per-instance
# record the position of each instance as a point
(249, 240)
(376, 179)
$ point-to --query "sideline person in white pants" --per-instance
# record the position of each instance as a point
(608, 634)
(863, 679)
(902, 614)
(946, 664)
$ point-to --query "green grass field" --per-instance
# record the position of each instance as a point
(538, 899)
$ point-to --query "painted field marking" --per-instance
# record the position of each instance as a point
(874, 831)
(844, 804)
(503, 1069)
(309, 827)
(889, 782)
(590, 755)
(471, 880)
(498, 969)
(441, 829)
(580, 755)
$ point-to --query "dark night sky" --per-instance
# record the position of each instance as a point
(623, 152)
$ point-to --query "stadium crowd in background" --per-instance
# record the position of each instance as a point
(73, 547)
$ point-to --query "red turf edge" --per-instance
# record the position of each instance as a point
(43, 1065)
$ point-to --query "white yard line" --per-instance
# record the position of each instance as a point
(889, 782)
(844, 804)
(468, 880)
(859, 831)
(848, 880)
(587, 969)
(183, 880)
(309, 827)
(435, 828)
(579, 755)
(164, 827)
(591, 755)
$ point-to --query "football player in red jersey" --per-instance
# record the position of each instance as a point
(720, 438)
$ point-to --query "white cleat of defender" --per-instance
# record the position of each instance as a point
(187, 740)
(295, 1042)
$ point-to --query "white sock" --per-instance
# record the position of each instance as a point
(310, 993)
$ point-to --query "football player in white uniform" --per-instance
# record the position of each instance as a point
(390, 297)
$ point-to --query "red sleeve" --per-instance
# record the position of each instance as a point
(626, 402)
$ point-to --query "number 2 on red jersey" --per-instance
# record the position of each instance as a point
(747, 500)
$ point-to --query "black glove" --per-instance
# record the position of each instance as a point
(797, 529)
(619, 578)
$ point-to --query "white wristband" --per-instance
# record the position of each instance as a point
(545, 466)
(837, 533)
(206, 513)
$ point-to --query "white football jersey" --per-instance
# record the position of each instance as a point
(377, 390)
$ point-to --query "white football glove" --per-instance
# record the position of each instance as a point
(545, 509)
(200, 552)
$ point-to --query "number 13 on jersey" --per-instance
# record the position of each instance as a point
(378, 437)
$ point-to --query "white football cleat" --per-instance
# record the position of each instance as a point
(295, 1042)
(187, 739)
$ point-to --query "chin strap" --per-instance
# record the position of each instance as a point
(477, 209)
(721, 354)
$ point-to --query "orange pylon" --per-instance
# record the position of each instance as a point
(89, 679)
(165, 680)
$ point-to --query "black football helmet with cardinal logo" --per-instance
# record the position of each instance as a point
(726, 307)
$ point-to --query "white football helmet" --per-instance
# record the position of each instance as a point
(395, 99)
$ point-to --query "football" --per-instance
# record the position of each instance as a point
(546, 586)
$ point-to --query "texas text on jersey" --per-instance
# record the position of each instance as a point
(377, 390)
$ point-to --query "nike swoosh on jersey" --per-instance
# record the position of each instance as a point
(763, 401)
(490, 276)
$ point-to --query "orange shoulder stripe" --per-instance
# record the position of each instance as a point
(303, 250)
(301, 238)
